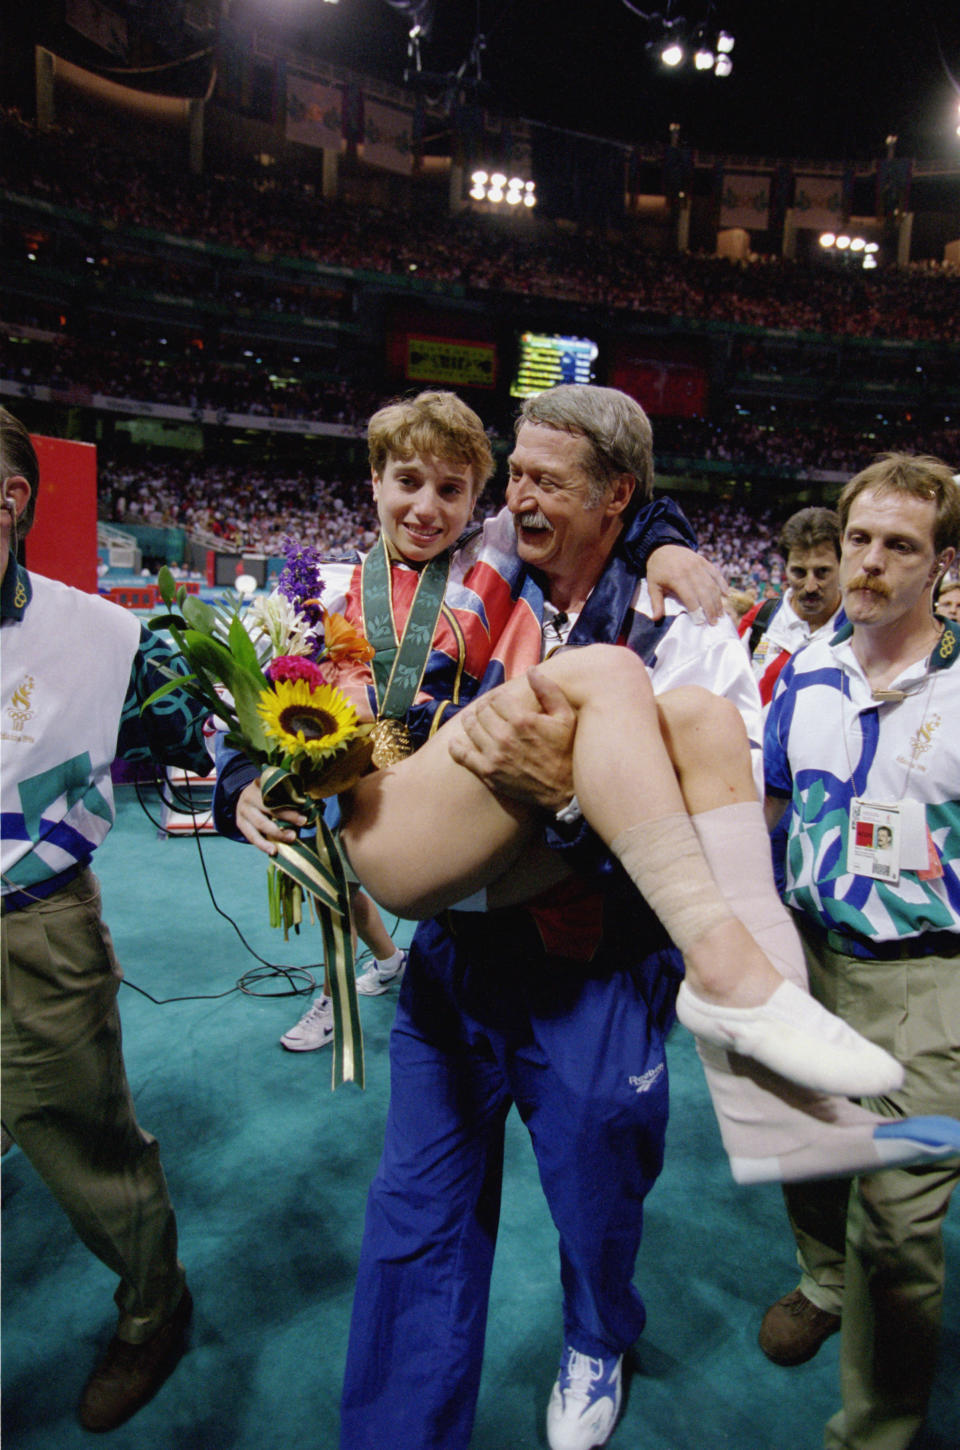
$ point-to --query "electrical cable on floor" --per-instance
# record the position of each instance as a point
(300, 980)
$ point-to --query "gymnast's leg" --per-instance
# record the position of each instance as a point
(426, 833)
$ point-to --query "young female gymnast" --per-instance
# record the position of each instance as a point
(402, 835)
(430, 459)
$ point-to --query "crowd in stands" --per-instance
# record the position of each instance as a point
(243, 510)
(795, 441)
(252, 510)
(740, 541)
(761, 443)
(288, 218)
(185, 377)
(794, 445)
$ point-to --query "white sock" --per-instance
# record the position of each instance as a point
(386, 965)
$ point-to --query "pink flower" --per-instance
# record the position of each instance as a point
(295, 667)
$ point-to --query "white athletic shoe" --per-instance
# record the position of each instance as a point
(584, 1402)
(374, 982)
(315, 1028)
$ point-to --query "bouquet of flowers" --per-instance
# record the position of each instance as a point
(261, 671)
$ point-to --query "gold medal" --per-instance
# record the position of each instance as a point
(392, 742)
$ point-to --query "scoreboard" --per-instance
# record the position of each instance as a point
(548, 358)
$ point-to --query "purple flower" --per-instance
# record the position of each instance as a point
(300, 580)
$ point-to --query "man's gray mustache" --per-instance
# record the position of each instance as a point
(535, 520)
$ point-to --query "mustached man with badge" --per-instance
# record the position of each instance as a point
(862, 742)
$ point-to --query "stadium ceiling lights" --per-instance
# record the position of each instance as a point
(711, 49)
(857, 247)
(706, 57)
(495, 187)
(721, 64)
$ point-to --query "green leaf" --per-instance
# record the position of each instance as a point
(224, 613)
(210, 655)
(167, 586)
(246, 697)
(164, 621)
(199, 616)
(242, 649)
(246, 686)
(198, 687)
(199, 653)
(175, 682)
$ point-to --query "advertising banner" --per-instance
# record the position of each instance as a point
(447, 360)
(818, 202)
(314, 113)
(387, 136)
(745, 202)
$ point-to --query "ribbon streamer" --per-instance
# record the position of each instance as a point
(317, 867)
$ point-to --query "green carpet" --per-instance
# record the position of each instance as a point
(269, 1170)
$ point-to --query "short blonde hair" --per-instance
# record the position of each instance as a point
(437, 424)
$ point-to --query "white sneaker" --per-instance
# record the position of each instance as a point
(374, 982)
(315, 1028)
(584, 1402)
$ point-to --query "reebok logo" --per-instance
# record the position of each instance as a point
(646, 1080)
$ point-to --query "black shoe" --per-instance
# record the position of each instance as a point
(130, 1374)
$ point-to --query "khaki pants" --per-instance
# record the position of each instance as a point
(67, 1103)
(873, 1248)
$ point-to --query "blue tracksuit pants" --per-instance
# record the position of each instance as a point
(486, 1019)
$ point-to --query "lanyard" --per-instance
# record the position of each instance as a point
(886, 837)
(398, 665)
(927, 685)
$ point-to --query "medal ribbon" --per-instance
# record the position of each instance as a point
(317, 867)
(398, 667)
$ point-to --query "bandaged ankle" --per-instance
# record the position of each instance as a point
(736, 848)
(664, 861)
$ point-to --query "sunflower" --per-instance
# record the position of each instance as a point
(315, 723)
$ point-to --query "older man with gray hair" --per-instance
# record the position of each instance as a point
(561, 1004)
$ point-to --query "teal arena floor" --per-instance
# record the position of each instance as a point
(269, 1170)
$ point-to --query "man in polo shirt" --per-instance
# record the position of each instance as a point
(810, 544)
(77, 671)
(861, 738)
